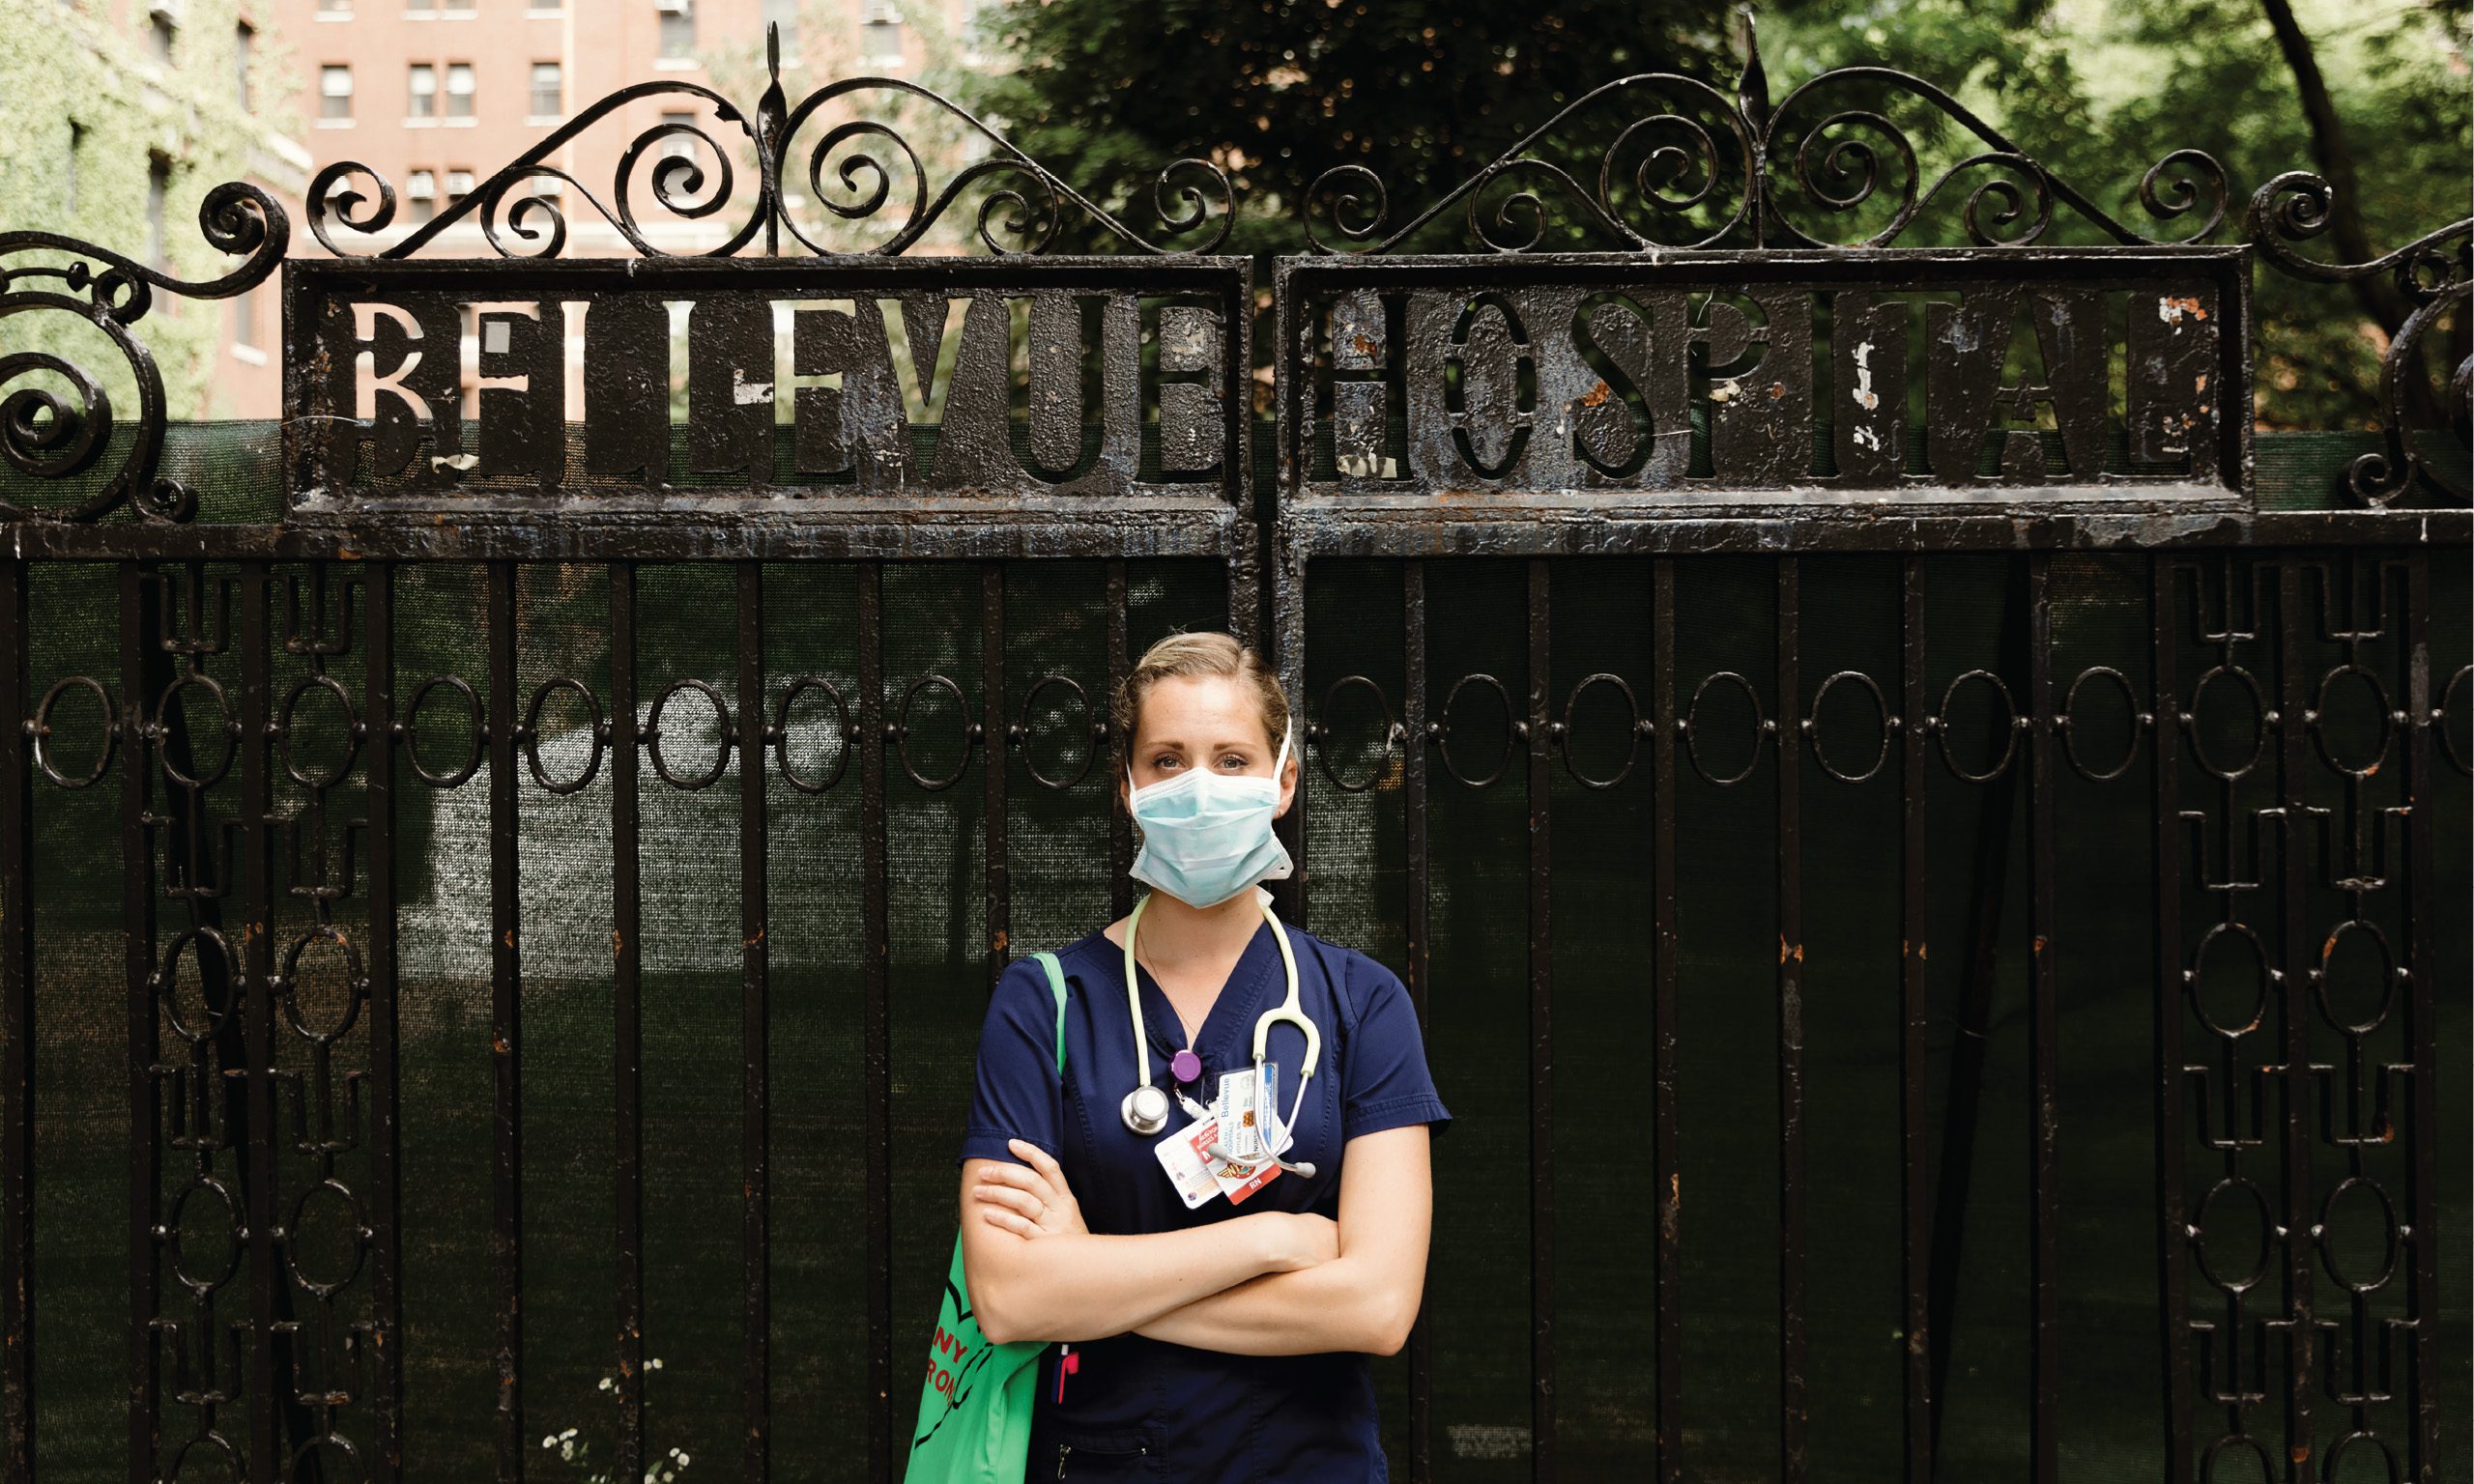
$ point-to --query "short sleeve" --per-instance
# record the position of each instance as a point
(1386, 1084)
(1016, 1092)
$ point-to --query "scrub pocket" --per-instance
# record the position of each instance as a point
(1074, 1453)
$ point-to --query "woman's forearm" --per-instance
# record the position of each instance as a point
(1336, 1306)
(1086, 1286)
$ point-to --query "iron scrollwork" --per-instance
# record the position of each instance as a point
(1021, 217)
(2435, 275)
(51, 436)
(1836, 162)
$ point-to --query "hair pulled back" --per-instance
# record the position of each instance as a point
(1194, 654)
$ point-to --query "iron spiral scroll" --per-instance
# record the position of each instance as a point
(1702, 149)
(867, 158)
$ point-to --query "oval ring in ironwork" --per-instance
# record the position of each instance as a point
(532, 734)
(321, 681)
(39, 729)
(355, 982)
(2065, 723)
(2333, 1460)
(2267, 1235)
(175, 1223)
(2440, 718)
(1631, 730)
(205, 778)
(325, 1289)
(721, 752)
(1442, 729)
(167, 983)
(1021, 734)
(1880, 707)
(408, 728)
(2194, 975)
(1317, 731)
(840, 733)
(212, 1442)
(2389, 1244)
(2259, 704)
(2228, 1443)
(2320, 710)
(2009, 731)
(2388, 977)
(973, 733)
(1691, 737)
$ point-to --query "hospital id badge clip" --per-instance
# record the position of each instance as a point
(1238, 1110)
(1184, 1156)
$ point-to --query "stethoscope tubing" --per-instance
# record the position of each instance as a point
(1277, 1142)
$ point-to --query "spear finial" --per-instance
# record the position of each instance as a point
(1752, 89)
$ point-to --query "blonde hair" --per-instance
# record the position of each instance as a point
(1194, 654)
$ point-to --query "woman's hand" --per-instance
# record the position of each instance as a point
(1029, 1202)
(1035, 1201)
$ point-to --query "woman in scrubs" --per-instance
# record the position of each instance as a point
(1229, 1340)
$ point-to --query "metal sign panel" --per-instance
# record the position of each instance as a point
(1631, 387)
(1057, 389)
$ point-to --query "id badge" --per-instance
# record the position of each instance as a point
(1239, 1111)
(1190, 1169)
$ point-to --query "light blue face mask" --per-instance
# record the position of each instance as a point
(1208, 836)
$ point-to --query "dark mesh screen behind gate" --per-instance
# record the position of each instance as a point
(1478, 1296)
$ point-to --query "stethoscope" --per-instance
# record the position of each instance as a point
(1146, 1107)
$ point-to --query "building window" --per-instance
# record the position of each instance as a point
(245, 44)
(459, 90)
(244, 318)
(880, 35)
(679, 146)
(158, 187)
(548, 99)
(334, 92)
(549, 187)
(421, 192)
(422, 86)
(459, 185)
(334, 7)
(678, 30)
(420, 7)
(158, 30)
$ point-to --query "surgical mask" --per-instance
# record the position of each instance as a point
(1208, 836)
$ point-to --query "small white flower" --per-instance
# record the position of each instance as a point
(569, 1433)
(550, 1441)
(654, 1365)
(605, 1383)
(683, 1460)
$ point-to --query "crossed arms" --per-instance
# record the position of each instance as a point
(1266, 1283)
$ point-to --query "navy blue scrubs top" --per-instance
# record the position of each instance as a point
(1199, 1415)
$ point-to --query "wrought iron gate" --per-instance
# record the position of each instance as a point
(1639, 558)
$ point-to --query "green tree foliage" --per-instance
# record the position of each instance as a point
(2100, 90)
(1424, 92)
(1279, 91)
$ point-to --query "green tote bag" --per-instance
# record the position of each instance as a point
(975, 1400)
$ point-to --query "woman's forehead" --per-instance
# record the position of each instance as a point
(1216, 709)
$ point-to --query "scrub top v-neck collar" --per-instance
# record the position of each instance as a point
(1237, 1002)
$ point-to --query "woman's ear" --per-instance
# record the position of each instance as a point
(1288, 784)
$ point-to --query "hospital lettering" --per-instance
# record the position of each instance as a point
(1889, 377)
(1029, 389)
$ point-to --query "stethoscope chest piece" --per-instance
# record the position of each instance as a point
(1146, 1110)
